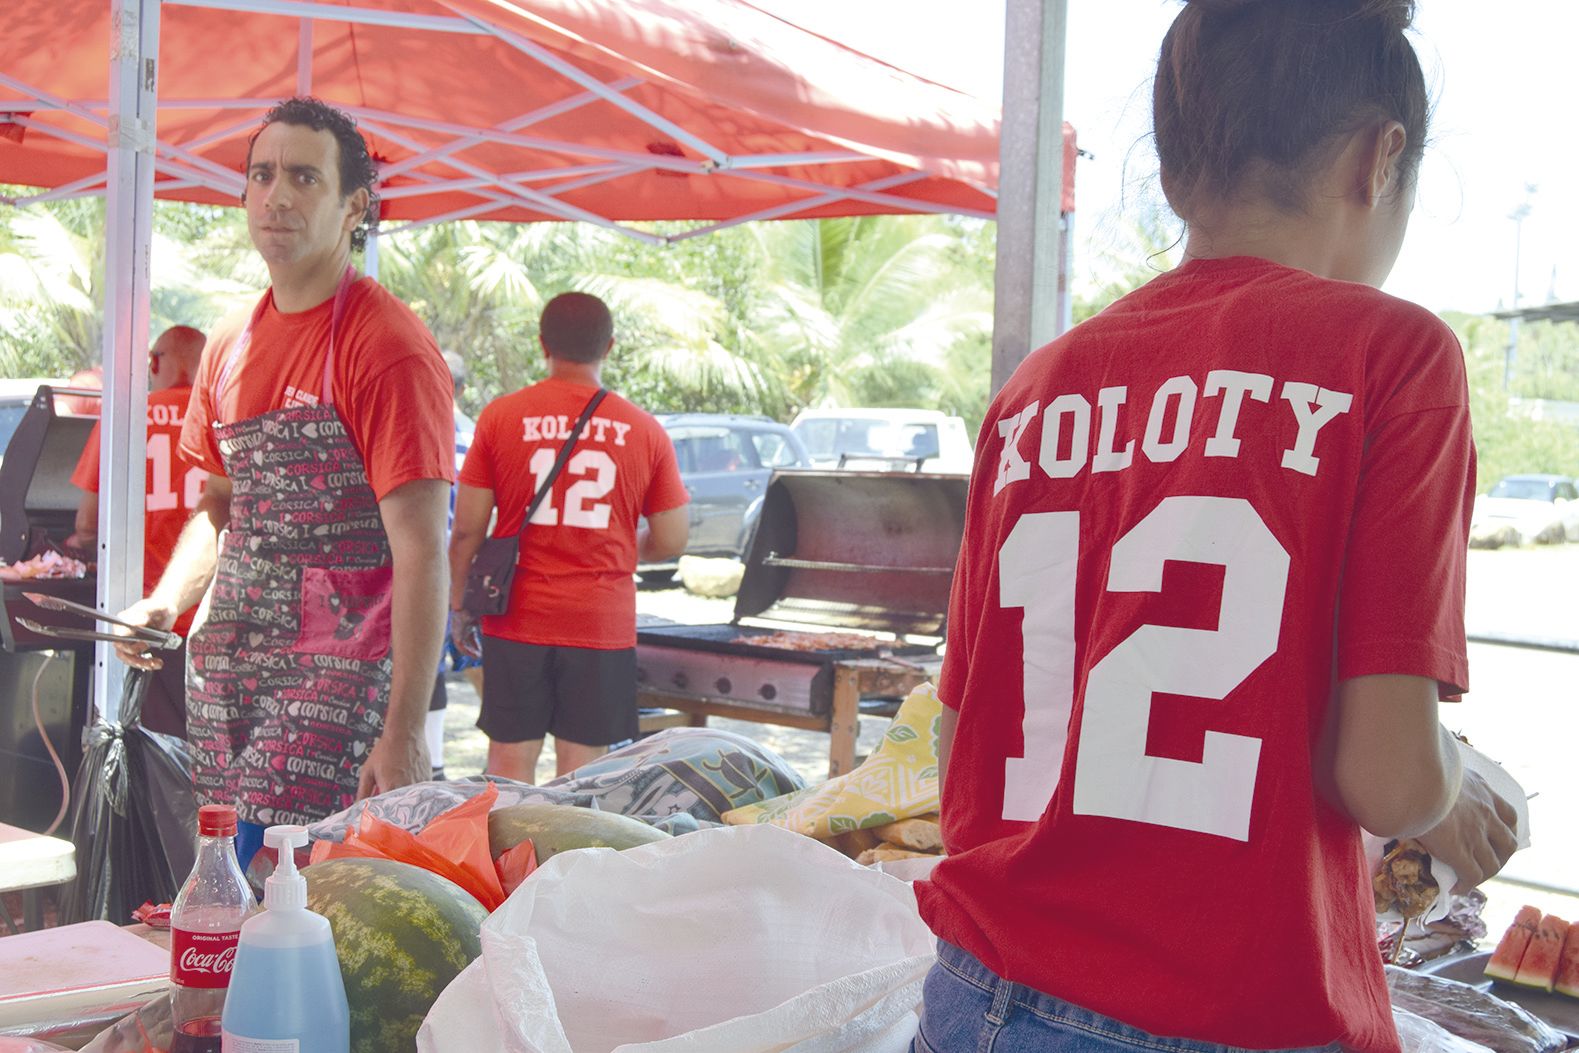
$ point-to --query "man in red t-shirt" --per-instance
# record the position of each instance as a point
(324, 418)
(174, 484)
(562, 658)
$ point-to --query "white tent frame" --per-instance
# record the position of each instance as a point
(138, 163)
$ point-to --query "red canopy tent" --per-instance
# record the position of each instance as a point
(605, 111)
(536, 109)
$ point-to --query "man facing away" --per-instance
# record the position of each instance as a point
(173, 486)
(324, 419)
(562, 658)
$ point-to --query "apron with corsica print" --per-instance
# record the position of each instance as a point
(288, 678)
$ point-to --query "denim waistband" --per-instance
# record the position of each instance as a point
(968, 968)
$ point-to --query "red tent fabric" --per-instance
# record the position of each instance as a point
(607, 110)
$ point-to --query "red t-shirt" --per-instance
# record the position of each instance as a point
(391, 386)
(575, 582)
(1191, 516)
(173, 485)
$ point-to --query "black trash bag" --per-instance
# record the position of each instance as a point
(134, 816)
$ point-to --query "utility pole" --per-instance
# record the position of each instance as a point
(1517, 215)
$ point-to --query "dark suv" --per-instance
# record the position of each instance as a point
(726, 461)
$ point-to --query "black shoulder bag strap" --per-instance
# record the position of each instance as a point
(559, 462)
(493, 566)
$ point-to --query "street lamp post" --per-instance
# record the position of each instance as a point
(1517, 215)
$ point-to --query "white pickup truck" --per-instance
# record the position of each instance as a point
(880, 439)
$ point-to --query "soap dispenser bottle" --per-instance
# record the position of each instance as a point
(286, 993)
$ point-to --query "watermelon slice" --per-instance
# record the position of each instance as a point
(1504, 964)
(1567, 981)
(1538, 967)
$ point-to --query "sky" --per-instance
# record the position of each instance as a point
(1501, 76)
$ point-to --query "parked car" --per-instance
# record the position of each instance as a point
(915, 440)
(1540, 509)
(726, 461)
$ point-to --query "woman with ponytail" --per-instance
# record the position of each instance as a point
(1212, 589)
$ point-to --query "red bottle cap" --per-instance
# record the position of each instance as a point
(217, 820)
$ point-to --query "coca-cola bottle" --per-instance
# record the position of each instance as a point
(205, 924)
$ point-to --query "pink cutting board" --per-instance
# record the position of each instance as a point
(72, 957)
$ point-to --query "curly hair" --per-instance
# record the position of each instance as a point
(357, 171)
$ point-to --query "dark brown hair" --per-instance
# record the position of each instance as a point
(576, 327)
(357, 170)
(1249, 93)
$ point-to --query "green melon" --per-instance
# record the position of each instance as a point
(402, 933)
(555, 828)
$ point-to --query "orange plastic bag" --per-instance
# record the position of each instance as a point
(453, 846)
(461, 835)
(516, 865)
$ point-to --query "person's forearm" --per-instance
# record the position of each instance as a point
(191, 565)
(1452, 773)
(463, 548)
(416, 640)
(413, 517)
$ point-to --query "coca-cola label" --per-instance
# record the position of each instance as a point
(202, 959)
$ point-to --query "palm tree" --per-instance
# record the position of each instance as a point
(480, 288)
(865, 309)
(51, 286)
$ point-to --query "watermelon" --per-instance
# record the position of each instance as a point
(1504, 964)
(1538, 967)
(402, 933)
(555, 828)
(1567, 979)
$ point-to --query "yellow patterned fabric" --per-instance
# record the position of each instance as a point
(898, 781)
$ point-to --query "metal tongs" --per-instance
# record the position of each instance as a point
(158, 639)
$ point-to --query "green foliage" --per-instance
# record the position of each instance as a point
(759, 318)
(1507, 440)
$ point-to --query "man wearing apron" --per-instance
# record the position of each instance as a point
(324, 418)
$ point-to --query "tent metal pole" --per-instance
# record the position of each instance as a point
(791, 207)
(528, 142)
(222, 134)
(519, 195)
(533, 175)
(515, 124)
(1030, 184)
(331, 13)
(128, 228)
(578, 76)
(229, 184)
(370, 255)
(304, 58)
(448, 217)
(92, 184)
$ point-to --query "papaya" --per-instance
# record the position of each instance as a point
(555, 828)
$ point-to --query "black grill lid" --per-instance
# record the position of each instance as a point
(860, 550)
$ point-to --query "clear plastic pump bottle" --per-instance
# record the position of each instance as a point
(286, 992)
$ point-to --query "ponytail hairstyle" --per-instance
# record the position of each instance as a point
(1250, 94)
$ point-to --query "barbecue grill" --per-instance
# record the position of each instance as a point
(838, 551)
(38, 507)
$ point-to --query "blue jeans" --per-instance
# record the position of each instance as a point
(970, 1009)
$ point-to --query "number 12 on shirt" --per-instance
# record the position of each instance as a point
(597, 470)
(1114, 776)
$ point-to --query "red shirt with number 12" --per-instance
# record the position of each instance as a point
(1190, 518)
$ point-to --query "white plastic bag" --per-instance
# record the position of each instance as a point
(737, 940)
